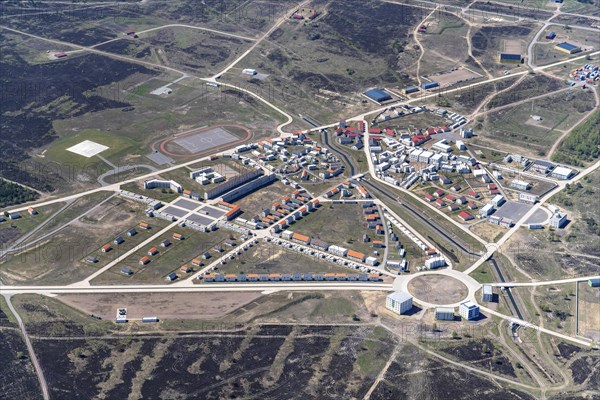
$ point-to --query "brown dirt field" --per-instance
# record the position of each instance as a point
(437, 289)
(487, 230)
(162, 305)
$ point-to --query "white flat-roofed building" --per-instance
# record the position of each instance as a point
(338, 250)
(444, 313)
(425, 156)
(498, 200)
(399, 302)
(435, 262)
(442, 146)
(528, 198)
(486, 210)
(468, 310)
(561, 173)
(487, 293)
(558, 220)
(163, 184)
(521, 185)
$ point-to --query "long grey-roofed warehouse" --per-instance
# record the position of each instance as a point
(232, 184)
(249, 187)
(378, 95)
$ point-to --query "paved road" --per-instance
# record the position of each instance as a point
(537, 328)
(543, 283)
(208, 287)
(119, 170)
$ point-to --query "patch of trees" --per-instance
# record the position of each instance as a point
(11, 194)
(582, 144)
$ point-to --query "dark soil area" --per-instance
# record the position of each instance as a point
(36, 95)
(512, 10)
(414, 375)
(582, 368)
(482, 353)
(70, 24)
(17, 375)
(468, 99)
(531, 86)
(488, 37)
(567, 350)
(269, 362)
(368, 31)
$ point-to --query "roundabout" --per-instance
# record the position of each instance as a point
(442, 288)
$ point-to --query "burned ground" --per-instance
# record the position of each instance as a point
(586, 369)
(18, 376)
(267, 360)
(482, 353)
(416, 375)
(37, 94)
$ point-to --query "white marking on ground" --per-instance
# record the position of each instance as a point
(87, 148)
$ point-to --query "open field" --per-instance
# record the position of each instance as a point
(589, 311)
(60, 259)
(413, 365)
(167, 260)
(319, 69)
(571, 251)
(19, 380)
(340, 224)
(11, 230)
(118, 100)
(259, 200)
(438, 289)
(200, 52)
(581, 145)
(465, 101)
(512, 126)
(161, 305)
(445, 45)
(545, 53)
(266, 258)
(489, 41)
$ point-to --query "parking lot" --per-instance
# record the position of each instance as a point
(187, 204)
(513, 210)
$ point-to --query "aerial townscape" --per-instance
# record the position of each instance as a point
(307, 199)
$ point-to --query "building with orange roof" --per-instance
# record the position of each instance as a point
(297, 237)
(152, 251)
(252, 277)
(363, 192)
(144, 225)
(177, 236)
(196, 262)
(32, 211)
(144, 260)
(355, 255)
(106, 248)
(185, 268)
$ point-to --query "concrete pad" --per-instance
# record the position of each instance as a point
(187, 204)
(87, 148)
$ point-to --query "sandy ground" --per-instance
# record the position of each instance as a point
(161, 305)
(437, 289)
